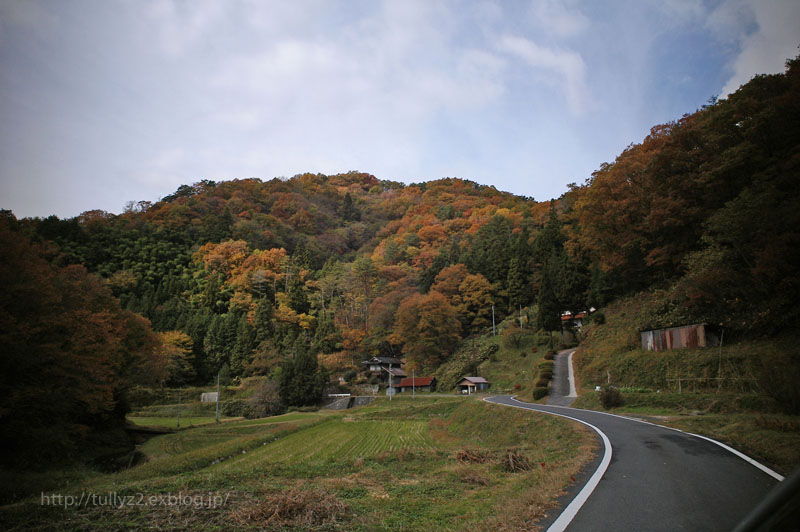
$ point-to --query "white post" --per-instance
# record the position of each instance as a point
(216, 415)
(520, 316)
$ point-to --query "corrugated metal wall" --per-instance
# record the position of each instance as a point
(674, 338)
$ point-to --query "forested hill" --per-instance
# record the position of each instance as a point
(251, 270)
(244, 276)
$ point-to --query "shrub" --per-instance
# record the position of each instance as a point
(542, 383)
(235, 408)
(265, 401)
(517, 387)
(538, 393)
(546, 364)
(549, 356)
(610, 396)
(598, 318)
(546, 375)
(534, 349)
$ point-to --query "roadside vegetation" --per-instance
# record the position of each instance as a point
(743, 393)
(434, 463)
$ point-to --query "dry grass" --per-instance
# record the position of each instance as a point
(292, 508)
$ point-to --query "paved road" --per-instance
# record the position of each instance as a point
(562, 389)
(652, 478)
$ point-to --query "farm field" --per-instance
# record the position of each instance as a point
(444, 464)
(170, 422)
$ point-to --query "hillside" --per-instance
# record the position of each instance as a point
(298, 280)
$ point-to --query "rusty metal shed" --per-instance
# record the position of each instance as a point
(684, 336)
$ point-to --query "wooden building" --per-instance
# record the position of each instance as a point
(470, 385)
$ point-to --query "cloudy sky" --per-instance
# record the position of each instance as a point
(102, 102)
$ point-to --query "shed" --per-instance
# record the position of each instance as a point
(684, 336)
(208, 397)
(471, 385)
(420, 384)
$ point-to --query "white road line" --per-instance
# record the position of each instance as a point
(571, 376)
(777, 476)
(569, 513)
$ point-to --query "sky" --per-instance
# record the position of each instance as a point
(103, 102)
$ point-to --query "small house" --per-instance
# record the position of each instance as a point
(576, 320)
(470, 385)
(419, 384)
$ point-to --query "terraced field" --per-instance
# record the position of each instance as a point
(437, 464)
(337, 440)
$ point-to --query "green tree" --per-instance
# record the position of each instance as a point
(302, 380)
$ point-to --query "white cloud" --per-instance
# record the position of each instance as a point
(566, 66)
(182, 24)
(764, 48)
(558, 18)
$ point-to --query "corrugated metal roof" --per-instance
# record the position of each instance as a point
(475, 380)
(417, 381)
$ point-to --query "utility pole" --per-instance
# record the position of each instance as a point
(216, 416)
(413, 390)
(494, 329)
(391, 393)
(520, 316)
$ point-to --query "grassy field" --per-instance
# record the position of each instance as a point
(171, 422)
(440, 464)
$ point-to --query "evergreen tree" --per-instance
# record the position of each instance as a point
(349, 211)
(298, 299)
(262, 321)
(549, 317)
(242, 352)
(302, 380)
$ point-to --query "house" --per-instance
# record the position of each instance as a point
(378, 364)
(471, 385)
(685, 336)
(383, 367)
(568, 318)
(419, 384)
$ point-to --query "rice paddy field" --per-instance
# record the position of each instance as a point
(443, 463)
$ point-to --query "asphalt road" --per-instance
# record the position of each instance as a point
(657, 479)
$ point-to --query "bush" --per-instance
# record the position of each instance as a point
(265, 401)
(538, 393)
(235, 408)
(598, 318)
(610, 396)
(349, 375)
(542, 383)
(549, 356)
(546, 375)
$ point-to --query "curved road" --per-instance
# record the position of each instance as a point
(652, 478)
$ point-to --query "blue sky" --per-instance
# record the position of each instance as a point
(106, 102)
